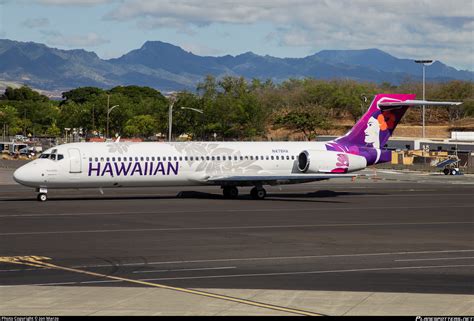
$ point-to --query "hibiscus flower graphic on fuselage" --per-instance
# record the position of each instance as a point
(342, 164)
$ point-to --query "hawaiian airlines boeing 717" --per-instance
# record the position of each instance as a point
(225, 164)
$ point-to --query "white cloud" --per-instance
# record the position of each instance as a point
(403, 26)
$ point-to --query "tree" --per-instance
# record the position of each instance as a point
(9, 119)
(53, 130)
(23, 93)
(306, 121)
(138, 94)
(142, 126)
(82, 94)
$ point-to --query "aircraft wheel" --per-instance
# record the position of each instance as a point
(42, 197)
(258, 193)
(230, 191)
(446, 171)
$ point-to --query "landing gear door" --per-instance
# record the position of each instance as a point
(74, 160)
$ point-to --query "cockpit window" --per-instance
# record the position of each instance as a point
(54, 157)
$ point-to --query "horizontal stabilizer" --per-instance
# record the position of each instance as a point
(388, 104)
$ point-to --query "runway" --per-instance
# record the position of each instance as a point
(392, 236)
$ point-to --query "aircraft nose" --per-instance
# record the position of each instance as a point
(22, 175)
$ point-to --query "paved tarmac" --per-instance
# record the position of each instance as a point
(401, 243)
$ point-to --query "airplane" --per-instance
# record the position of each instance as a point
(226, 164)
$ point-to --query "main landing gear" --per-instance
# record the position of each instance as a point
(256, 193)
(230, 192)
(42, 194)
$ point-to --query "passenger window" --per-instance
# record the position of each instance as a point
(175, 158)
(153, 158)
(142, 159)
(190, 158)
(60, 156)
(207, 158)
(213, 158)
(241, 157)
(101, 159)
(223, 158)
(180, 158)
(251, 157)
(272, 157)
(287, 157)
(277, 157)
(202, 157)
(53, 156)
(169, 158)
(266, 157)
(218, 158)
(148, 159)
(113, 159)
(158, 158)
(293, 157)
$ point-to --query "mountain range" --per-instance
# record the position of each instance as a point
(168, 68)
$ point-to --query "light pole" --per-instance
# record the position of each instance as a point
(67, 130)
(170, 117)
(108, 113)
(170, 120)
(424, 62)
(195, 109)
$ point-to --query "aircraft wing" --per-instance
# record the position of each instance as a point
(243, 180)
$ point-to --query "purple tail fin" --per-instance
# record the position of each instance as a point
(373, 130)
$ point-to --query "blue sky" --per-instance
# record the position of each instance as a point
(440, 30)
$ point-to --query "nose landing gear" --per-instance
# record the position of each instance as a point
(42, 194)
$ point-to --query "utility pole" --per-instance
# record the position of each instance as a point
(24, 121)
(424, 62)
(170, 120)
(93, 118)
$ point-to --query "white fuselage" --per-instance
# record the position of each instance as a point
(111, 164)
